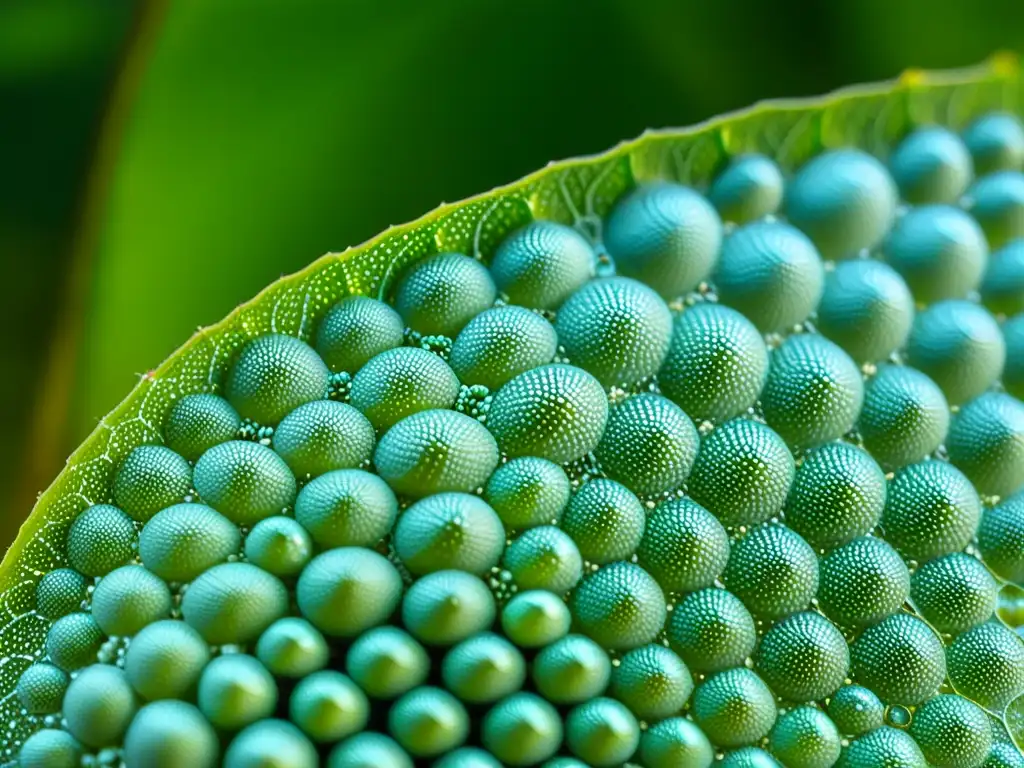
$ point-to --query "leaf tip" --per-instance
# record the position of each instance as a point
(912, 77)
(1005, 63)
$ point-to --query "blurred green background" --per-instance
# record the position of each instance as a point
(161, 162)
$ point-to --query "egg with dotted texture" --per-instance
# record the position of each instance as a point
(725, 469)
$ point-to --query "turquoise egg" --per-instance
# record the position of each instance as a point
(665, 235)
(997, 204)
(996, 142)
(772, 273)
(866, 308)
(616, 329)
(749, 188)
(931, 165)
(939, 250)
(844, 199)
(542, 264)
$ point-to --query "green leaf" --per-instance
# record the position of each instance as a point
(213, 186)
(57, 58)
(578, 192)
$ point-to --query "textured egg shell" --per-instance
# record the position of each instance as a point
(386, 662)
(649, 444)
(602, 732)
(1002, 290)
(442, 294)
(50, 748)
(996, 202)
(844, 199)
(856, 710)
(572, 670)
(653, 682)
(615, 328)
(428, 722)
(940, 251)
(73, 641)
(522, 730)
(675, 742)
(742, 473)
(866, 308)
(535, 618)
(772, 273)
(322, 436)
(244, 481)
(369, 750)
(273, 375)
(620, 607)
(986, 664)
(605, 520)
(347, 507)
(348, 590)
(556, 412)
(356, 329)
(803, 658)
(931, 510)
(449, 530)
(434, 452)
(884, 746)
(901, 659)
(181, 542)
(986, 443)
(749, 188)
(99, 705)
(292, 647)
(279, 545)
(905, 416)
(814, 391)
(100, 539)
(400, 382)
(954, 593)
(773, 571)
(545, 558)
(996, 142)
(150, 478)
(862, 582)
(165, 660)
(665, 235)
(129, 598)
(171, 734)
(931, 165)
(952, 731)
(683, 546)
(712, 630)
(236, 690)
(328, 706)
(500, 343)
(734, 708)
(483, 668)
(271, 742)
(234, 603)
(1001, 538)
(196, 423)
(445, 607)
(716, 363)
(527, 492)
(542, 264)
(805, 737)
(838, 494)
(60, 592)
(41, 687)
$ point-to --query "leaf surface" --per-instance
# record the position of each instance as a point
(578, 192)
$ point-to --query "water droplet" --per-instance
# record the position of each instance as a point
(897, 716)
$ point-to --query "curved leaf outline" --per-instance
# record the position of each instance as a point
(577, 191)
